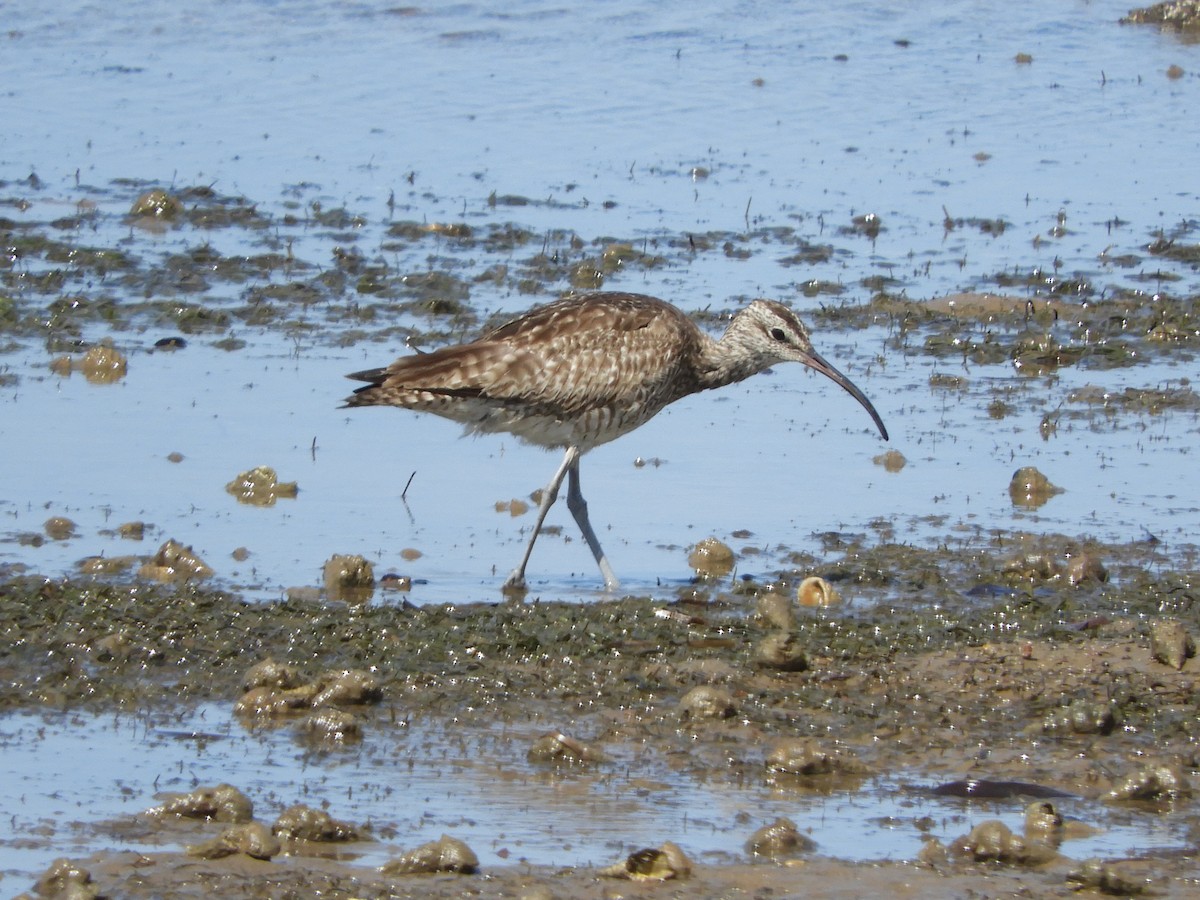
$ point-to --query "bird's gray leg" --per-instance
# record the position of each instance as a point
(578, 507)
(516, 581)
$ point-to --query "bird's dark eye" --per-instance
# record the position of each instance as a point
(780, 335)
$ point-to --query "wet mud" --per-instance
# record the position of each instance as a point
(990, 665)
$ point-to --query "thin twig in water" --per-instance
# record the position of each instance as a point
(404, 493)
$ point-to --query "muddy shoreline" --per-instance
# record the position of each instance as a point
(978, 665)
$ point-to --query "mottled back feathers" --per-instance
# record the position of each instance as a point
(586, 370)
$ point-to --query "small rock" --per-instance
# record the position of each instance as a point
(1171, 644)
(711, 558)
(1029, 488)
(253, 839)
(303, 823)
(805, 756)
(333, 726)
(348, 577)
(557, 747)
(1043, 823)
(707, 702)
(261, 486)
(223, 803)
(781, 650)
(1097, 875)
(1156, 781)
(776, 610)
(446, 854)
(779, 839)
(65, 880)
(272, 674)
(347, 687)
(992, 841)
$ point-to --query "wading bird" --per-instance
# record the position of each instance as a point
(583, 371)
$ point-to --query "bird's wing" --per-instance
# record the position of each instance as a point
(573, 357)
(559, 360)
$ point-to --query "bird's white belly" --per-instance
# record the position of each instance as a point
(585, 430)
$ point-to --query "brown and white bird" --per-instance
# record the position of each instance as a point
(583, 371)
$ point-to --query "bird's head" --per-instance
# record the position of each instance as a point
(767, 333)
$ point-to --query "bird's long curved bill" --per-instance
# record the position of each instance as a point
(817, 362)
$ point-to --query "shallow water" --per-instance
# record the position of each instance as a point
(646, 123)
(783, 457)
(417, 782)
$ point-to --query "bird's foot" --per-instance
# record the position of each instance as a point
(515, 584)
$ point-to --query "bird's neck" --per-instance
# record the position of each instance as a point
(725, 361)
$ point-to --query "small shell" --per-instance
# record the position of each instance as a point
(1083, 717)
(156, 204)
(106, 565)
(1106, 878)
(59, 528)
(892, 460)
(991, 841)
(104, 365)
(816, 591)
(1085, 567)
(132, 531)
(666, 863)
